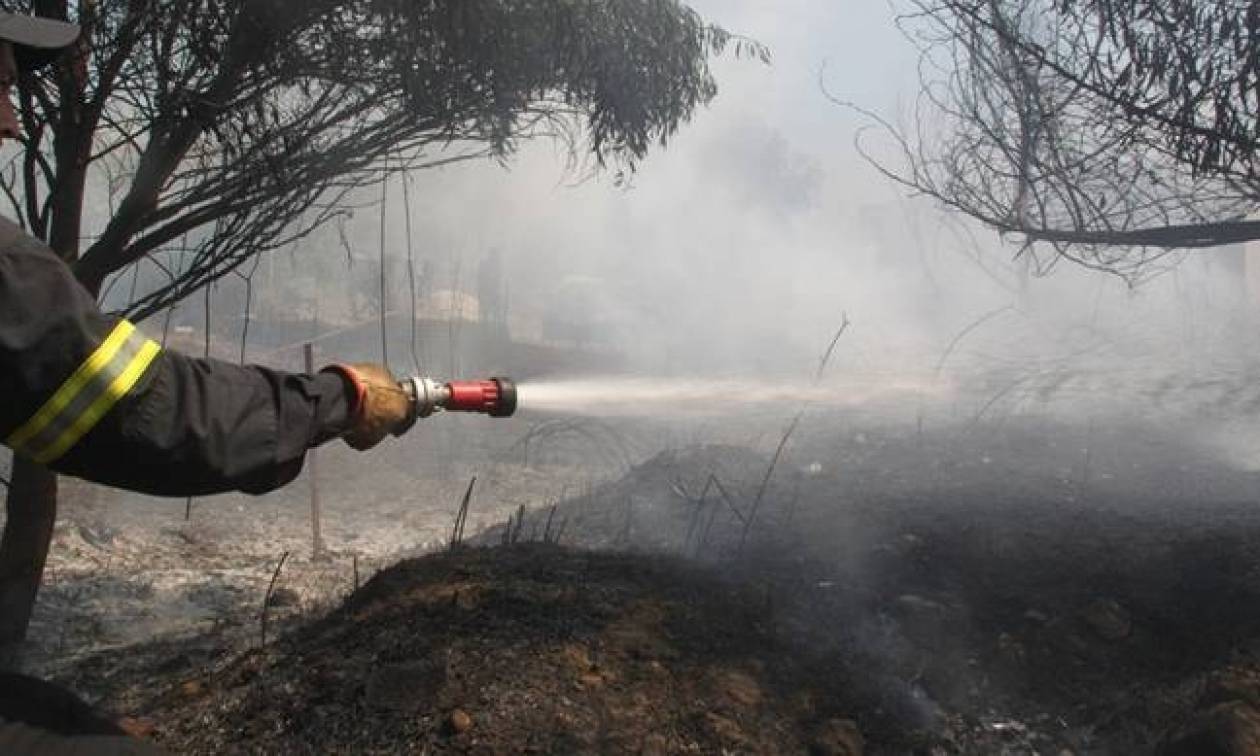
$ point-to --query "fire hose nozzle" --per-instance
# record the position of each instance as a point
(495, 397)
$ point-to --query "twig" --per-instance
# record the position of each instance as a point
(267, 598)
(765, 480)
(708, 528)
(383, 302)
(461, 517)
(547, 530)
(355, 562)
(696, 514)
(822, 363)
(964, 333)
(205, 353)
(729, 501)
(520, 523)
(787, 435)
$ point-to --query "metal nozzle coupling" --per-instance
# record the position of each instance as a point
(495, 397)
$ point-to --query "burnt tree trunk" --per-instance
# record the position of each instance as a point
(31, 511)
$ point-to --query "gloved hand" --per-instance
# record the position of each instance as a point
(381, 406)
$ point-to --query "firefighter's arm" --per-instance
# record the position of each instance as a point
(89, 395)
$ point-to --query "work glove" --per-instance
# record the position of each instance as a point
(380, 407)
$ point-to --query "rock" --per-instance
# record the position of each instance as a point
(724, 728)
(459, 722)
(100, 536)
(737, 689)
(407, 687)
(137, 727)
(577, 657)
(1108, 619)
(1227, 729)
(837, 737)
(1036, 616)
(283, 597)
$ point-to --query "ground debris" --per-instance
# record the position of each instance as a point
(566, 651)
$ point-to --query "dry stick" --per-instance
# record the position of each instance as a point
(355, 562)
(384, 331)
(765, 479)
(564, 523)
(267, 598)
(520, 523)
(411, 275)
(696, 514)
(964, 333)
(729, 501)
(312, 457)
(249, 302)
(975, 420)
(708, 529)
(461, 517)
(550, 516)
(787, 435)
(188, 502)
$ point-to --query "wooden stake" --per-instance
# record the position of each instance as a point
(312, 461)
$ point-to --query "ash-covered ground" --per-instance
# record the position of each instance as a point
(996, 583)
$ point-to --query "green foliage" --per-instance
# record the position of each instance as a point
(245, 124)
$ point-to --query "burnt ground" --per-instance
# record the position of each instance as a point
(1021, 587)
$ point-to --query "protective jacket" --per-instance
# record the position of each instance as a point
(88, 395)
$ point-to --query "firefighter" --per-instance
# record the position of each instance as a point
(87, 394)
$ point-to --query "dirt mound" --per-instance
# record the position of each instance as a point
(531, 648)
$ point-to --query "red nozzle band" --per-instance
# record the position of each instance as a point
(495, 397)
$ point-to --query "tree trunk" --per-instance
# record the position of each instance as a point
(31, 509)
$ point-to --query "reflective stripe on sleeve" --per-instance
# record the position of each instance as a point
(106, 376)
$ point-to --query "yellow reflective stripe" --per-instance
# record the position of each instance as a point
(69, 390)
(121, 386)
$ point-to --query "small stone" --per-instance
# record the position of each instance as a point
(191, 688)
(577, 657)
(838, 737)
(137, 727)
(459, 722)
(1037, 616)
(738, 688)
